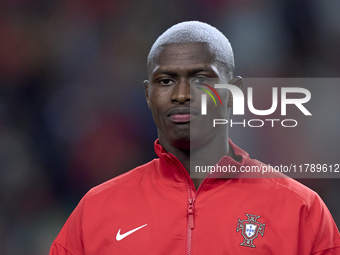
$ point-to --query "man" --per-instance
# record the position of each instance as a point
(158, 209)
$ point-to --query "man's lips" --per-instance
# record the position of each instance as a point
(181, 118)
(182, 115)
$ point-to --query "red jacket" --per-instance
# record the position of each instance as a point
(155, 209)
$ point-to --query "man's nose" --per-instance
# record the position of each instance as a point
(181, 92)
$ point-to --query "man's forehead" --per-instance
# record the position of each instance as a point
(187, 69)
(180, 56)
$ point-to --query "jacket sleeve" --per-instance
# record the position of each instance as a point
(70, 239)
(323, 229)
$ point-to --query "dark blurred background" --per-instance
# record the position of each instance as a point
(72, 107)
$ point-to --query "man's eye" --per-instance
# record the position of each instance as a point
(166, 81)
(199, 79)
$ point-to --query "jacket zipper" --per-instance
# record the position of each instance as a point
(191, 204)
(191, 213)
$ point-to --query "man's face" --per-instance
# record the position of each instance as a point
(174, 107)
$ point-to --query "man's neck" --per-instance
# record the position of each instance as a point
(210, 154)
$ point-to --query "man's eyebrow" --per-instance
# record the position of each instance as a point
(198, 70)
(164, 71)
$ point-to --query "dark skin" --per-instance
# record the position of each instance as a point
(168, 92)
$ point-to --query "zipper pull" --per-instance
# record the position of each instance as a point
(191, 212)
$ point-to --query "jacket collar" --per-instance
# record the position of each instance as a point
(169, 167)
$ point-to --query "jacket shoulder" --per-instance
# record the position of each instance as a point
(288, 185)
(128, 180)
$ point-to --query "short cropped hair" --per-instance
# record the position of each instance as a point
(196, 31)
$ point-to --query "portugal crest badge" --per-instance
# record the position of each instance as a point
(250, 229)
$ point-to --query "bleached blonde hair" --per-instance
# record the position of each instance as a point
(196, 31)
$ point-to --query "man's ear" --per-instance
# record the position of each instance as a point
(237, 81)
(146, 87)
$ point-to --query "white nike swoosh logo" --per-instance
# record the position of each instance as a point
(120, 237)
